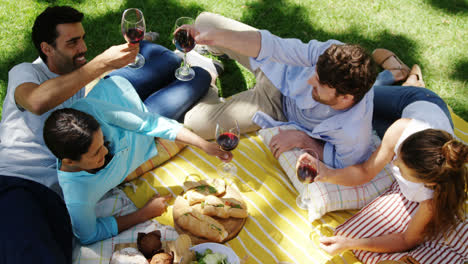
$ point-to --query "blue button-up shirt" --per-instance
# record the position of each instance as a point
(130, 129)
(289, 63)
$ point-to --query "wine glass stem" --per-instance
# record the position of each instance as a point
(305, 195)
(185, 69)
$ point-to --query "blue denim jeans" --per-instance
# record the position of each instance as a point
(35, 226)
(390, 101)
(157, 86)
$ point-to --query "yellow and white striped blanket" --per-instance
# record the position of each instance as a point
(277, 231)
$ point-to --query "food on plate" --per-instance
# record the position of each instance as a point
(222, 207)
(197, 223)
(150, 243)
(207, 187)
(210, 257)
(128, 255)
(162, 258)
(193, 197)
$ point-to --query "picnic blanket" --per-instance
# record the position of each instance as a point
(276, 231)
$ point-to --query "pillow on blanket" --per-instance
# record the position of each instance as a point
(327, 197)
(166, 150)
(391, 213)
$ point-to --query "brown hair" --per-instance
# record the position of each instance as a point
(436, 157)
(347, 68)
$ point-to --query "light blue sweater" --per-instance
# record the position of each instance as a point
(130, 129)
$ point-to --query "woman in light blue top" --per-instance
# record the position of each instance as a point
(98, 142)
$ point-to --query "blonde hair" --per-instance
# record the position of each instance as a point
(436, 157)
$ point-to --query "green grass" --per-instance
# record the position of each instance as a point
(432, 33)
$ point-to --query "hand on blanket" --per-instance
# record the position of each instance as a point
(156, 206)
(335, 244)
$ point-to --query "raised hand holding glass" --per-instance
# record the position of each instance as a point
(184, 42)
(133, 30)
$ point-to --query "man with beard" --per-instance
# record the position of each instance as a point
(35, 226)
(322, 88)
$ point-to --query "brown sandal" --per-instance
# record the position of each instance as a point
(415, 70)
(380, 56)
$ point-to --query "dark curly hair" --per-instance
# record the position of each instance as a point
(347, 68)
(45, 26)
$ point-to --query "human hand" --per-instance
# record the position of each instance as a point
(322, 170)
(286, 140)
(203, 35)
(335, 244)
(118, 56)
(156, 206)
(213, 149)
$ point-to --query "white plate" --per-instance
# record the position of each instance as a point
(215, 247)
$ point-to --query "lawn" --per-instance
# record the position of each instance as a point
(432, 33)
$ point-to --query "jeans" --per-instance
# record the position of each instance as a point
(35, 226)
(157, 86)
(390, 101)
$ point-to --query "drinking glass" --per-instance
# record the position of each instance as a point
(306, 172)
(185, 43)
(133, 30)
(227, 137)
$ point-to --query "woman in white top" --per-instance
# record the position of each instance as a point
(429, 166)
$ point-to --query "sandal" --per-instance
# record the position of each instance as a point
(380, 56)
(415, 70)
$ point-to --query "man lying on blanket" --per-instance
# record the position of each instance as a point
(322, 88)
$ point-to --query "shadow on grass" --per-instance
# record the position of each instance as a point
(450, 6)
(234, 82)
(461, 70)
(160, 16)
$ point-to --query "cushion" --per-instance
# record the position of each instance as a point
(166, 150)
(391, 213)
(326, 197)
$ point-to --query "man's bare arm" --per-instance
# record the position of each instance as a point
(39, 99)
(247, 43)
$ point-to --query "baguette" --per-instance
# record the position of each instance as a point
(207, 187)
(197, 223)
(222, 207)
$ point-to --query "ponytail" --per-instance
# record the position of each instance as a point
(455, 154)
(436, 158)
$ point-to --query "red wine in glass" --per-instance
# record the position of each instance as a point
(183, 41)
(134, 35)
(227, 137)
(306, 173)
(133, 30)
(307, 170)
(227, 141)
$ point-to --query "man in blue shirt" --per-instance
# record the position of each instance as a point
(322, 88)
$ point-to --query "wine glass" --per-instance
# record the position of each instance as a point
(306, 172)
(133, 30)
(227, 137)
(185, 43)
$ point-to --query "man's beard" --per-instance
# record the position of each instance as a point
(69, 65)
(317, 98)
